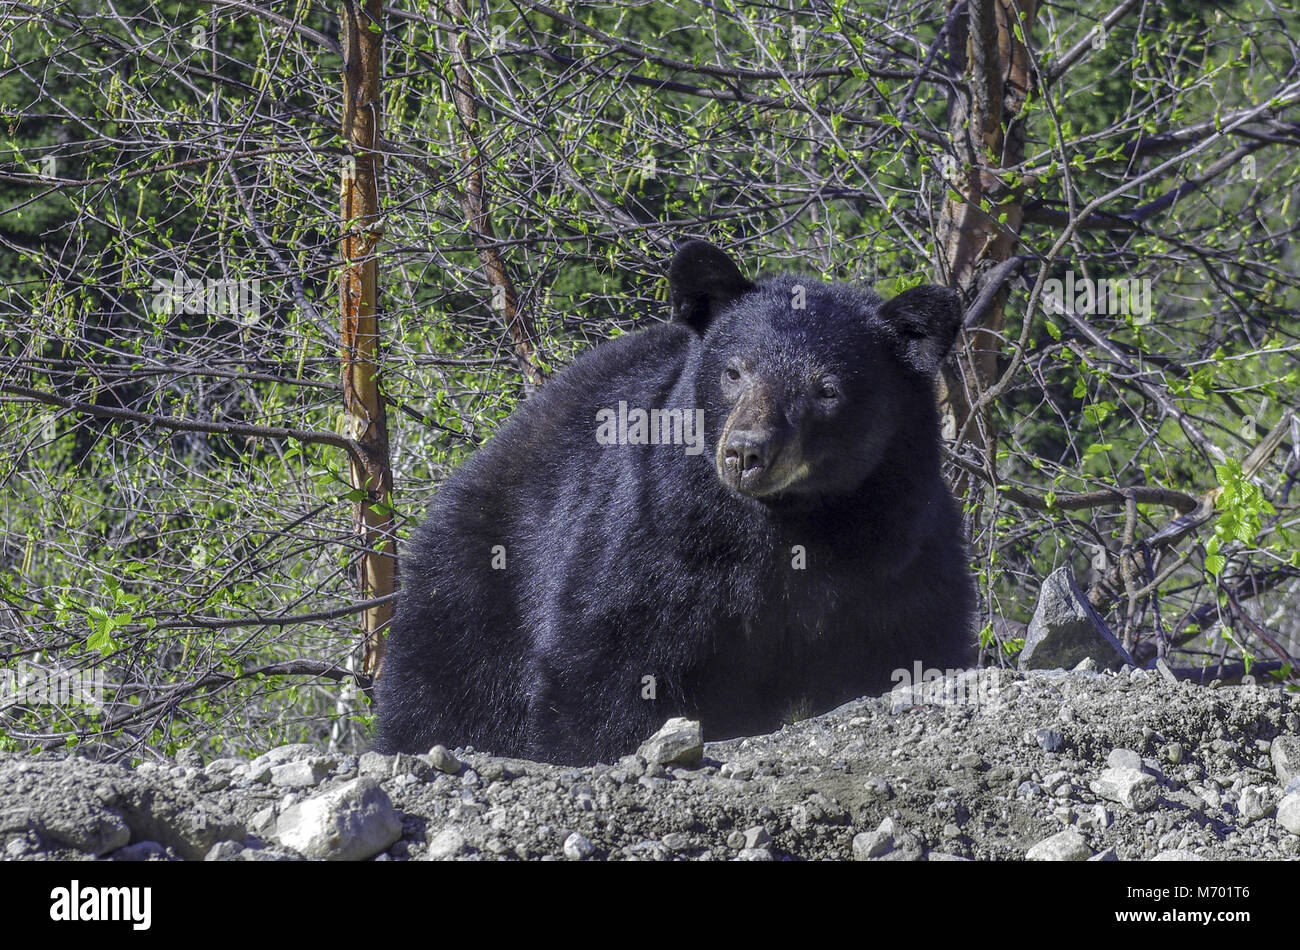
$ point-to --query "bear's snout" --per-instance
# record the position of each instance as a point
(747, 455)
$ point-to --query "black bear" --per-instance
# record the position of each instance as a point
(732, 516)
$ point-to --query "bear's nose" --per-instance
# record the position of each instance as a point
(747, 453)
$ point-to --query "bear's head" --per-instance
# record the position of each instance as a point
(805, 385)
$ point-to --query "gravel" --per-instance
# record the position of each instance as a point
(1135, 769)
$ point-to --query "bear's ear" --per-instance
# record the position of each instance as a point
(926, 320)
(702, 280)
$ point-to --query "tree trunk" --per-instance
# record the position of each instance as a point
(987, 137)
(363, 405)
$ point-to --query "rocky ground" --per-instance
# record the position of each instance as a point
(1124, 765)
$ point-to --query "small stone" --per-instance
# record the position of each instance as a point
(302, 773)
(578, 847)
(735, 771)
(1288, 813)
(351, 822)
(263, 820)
(443, 761)
(445, 844)
(1129, 787)
(678, 742)
(1086, 665)
(224, 851)
(871, 844)
(969, 760)
(1166, 671)
(1049, 740)
(375, 763)
(1177, 854)
(756, 837)
(879, 789)
(1173, 753)
(1067, 845)
(279, 755)
(755, 854)
(1096, 818)
(676, 841)
(1253, 805)
(1285, 753)
(1124, 759)
(736, 840)
(1107, 855)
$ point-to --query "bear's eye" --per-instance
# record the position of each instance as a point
(828, 389)
(732, 373)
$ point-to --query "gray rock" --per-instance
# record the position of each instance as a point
(445, 844)
(1131, 788)
(351, 822)
(263, 820)
(1096, 818)
(677, 841)
(1177, 854)
(1124, 759)
(679, 742)
(224, 851)
(1067, 845)
(375, 763)
(577, 847)
(871, 844)
(756, 837)
(443, 761)
(1285, 753)
(755, 854)
(1065, 630)
(302, 773)
(1253, 805)
(1049, 740)
(879, 789)
(279, 755)
(1104, 856)
(1288, 813)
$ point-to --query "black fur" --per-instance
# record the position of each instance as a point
(631, 561)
